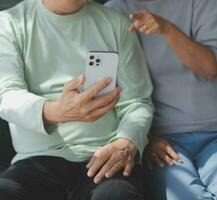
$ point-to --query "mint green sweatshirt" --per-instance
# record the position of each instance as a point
(40, 51)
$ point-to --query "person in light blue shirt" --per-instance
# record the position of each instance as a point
(180, 42)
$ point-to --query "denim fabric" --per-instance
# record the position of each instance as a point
(196, 178)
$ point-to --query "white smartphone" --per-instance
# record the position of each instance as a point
(100, 65)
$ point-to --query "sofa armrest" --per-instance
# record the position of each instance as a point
(6, 149)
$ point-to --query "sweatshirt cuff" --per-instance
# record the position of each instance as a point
(23, 109)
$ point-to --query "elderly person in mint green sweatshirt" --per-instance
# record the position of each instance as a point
(180, 41)
(71, 144)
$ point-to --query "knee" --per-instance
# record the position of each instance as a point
(116, 190)
(10, 190)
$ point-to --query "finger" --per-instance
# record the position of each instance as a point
(91, 161)
(149, 24)
(126, 164)
(139, 15)
(104, 100)
(75, 83)
(119, 157)
(128, 168)
(131, 28)
(146, 22)
(157, 160)
(152, 30)
(136, 16)
(116, 168)
(97, 163)
(107, 166)
(94, 90)
(173, 154)
(102, 152)
(136, 25)
(74, 92)
(164, 157)
(101, 111)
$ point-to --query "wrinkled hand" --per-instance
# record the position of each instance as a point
(112, 158)
(161, 153)
(85, 106)
(148, 23)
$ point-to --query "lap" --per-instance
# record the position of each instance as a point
(55, 178)
(206, 163)
(117, 187)
(34, 178)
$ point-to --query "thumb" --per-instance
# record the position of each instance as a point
(75, 83)
(136, 16)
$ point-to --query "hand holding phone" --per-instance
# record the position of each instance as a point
(80, 106)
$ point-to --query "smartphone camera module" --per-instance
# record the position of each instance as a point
(91, 57)
(98, 60)
(91, 63)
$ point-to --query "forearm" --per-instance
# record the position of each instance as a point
(23, 108)
(135, 122)
(197, 57)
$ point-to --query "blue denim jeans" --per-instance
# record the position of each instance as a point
(196, 178)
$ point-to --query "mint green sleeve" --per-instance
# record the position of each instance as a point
(17, 104)
(135, 108)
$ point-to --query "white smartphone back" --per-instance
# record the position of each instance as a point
(101, 65)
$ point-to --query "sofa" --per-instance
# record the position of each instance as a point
(6, 150)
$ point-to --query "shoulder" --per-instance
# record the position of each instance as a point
(209, 5)
(18, 12)
(114, 3)
(205, 11)
(111, 15)
(12, 20)
(120, 6)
